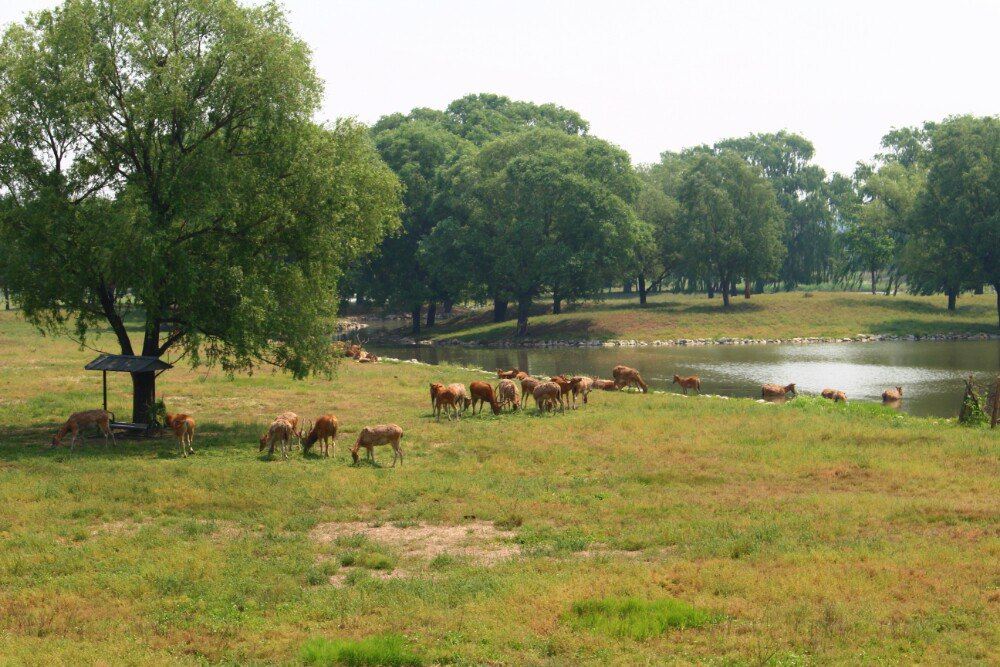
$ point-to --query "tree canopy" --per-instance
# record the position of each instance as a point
(159, 160)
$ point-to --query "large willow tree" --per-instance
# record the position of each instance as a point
(162, 175)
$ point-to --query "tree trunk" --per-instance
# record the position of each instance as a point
(996, 287)
(415, 314)
(711, 290)
(873, 281)
(758, 287)
(446, 306)
(6, 299)
(952, 299)
(523, 308)
(500, 309)
(642, 289)
(725, 297)
(431, 313)
(556, 303)
(746, 288)
(143, 397)
(627, 287)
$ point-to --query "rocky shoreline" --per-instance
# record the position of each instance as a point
(678, 342)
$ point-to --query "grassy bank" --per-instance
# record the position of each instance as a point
(783, 315)
(642, 529)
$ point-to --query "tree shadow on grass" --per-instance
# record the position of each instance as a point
(902, 327)
(34, 442)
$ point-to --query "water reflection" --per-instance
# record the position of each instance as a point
(930, 372)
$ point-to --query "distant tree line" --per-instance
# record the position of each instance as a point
(507, 202)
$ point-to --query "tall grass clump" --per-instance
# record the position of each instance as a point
(637, 619)
(387, 650)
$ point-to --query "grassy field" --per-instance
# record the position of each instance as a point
(782, 315)
(643, 529)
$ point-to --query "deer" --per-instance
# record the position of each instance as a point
(565, 388)
(462, 399)
(582, 385)
(482, 392)
(436, 387)
(834, 395)
(892, 395)
(507, 394)
(446, 401)
(606, 385)
(777, 390)
(528, 385)
(280, 431)
(507, 375)
(183, 428)
(546, 395)
(690, 382)
(373, 436)
(323, 431)
(100, 418)
(626, 377)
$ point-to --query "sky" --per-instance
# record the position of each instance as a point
(654, 76)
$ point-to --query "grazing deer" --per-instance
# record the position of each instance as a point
(100, 418)
(462, 399)
(834, 395)
(280, 431)
(482, 392)
(546, 395)
(446, 401)
(507, 394)
(183, 428)
(323, 431)
(892, 395)
(507, 375)
(565, 388)
(373, 436)
(626, 377)
(777, 390)
(690, 382)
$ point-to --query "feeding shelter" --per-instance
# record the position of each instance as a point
(126, 363)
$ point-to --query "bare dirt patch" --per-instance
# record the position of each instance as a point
(479, 541)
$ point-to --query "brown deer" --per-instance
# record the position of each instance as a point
(606, 385)
(183, 428)
(373, 436)
(435, 388)
(834, 395)
(323, 431)
(507, 375)
(462, 399)
(446, 401)
(565, 387)
(777, 390)
(546, 395)
(626, 377)
(507, 394)
(100, 418)
(528, 385)
(690, 382)
(892, 395)
(482, 392)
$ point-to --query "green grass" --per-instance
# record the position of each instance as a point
(388, 650)
(636, 619)
(811, 532)
(782, 315)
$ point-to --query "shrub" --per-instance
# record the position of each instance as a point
(388, 650)
(635, 618)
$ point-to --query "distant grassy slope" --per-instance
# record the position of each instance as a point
(783, 315)
(733, 532)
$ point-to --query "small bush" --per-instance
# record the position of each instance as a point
(637, 619)
(388, 650)
(374, 561)
(442, 561)
(348, 559)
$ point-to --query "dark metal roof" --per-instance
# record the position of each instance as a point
(125, 363)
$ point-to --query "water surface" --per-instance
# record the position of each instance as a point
(930, 372)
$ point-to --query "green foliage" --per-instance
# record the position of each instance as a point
(376, 651)
(972, 413)
(635, 618)
(159, 157)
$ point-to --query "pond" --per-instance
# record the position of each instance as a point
(930, 372)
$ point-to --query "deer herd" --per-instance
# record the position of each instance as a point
(452, 400)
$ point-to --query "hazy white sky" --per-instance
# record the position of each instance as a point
(651, 76)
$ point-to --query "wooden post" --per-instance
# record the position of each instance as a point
(994, 404)
(104, 374)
